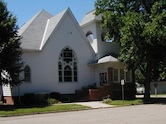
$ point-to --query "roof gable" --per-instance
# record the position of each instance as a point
(52, 24)
(56, 21)
(32, 31)
(40, 28)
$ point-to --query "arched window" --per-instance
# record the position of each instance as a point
(67, 74)
(90, 36)
(67, 66)
(27, 74)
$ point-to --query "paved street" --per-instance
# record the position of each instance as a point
(142, 114)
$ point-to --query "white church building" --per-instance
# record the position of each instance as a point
(63, 56)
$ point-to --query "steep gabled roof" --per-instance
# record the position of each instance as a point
(50, 27)
(90, 17)
(32, 31)
(55, 21)
(38, 29)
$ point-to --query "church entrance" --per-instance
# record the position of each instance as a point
(103, 78)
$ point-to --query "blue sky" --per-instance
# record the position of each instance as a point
(25, 9)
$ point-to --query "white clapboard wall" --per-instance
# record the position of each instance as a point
(6, 89)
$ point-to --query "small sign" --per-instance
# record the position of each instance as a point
(122, 82)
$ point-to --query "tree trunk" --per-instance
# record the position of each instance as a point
(133, 79)
(147, 83)
(147, 91)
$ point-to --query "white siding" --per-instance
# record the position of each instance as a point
(6, 90)
(44, 64)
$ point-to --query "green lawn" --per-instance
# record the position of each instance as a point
(11, 111)
(124, 103)
(158, 95)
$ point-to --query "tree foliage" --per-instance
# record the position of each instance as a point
(10, 51)
(140, 27)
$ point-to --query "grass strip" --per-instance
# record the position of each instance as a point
(124, 103)
(46, 109)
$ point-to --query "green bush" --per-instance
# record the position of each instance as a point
(51, 101)
(107, 101)
(29, 99)
(55, 95)
(41, 98)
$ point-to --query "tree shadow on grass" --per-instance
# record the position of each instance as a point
(14, 107)
(156, 101)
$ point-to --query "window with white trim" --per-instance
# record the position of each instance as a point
(67, 66)
(119, 74)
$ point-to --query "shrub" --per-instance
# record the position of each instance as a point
(29, 99)
(41, 98)
(107, 101)
(55, 95)
(51, 101)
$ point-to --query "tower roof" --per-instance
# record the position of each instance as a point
(90, 17)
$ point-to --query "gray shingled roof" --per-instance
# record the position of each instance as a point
(89, 17)
(38, 29)
(32, 31)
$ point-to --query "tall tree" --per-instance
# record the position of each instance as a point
(140, 27)
(10, 51)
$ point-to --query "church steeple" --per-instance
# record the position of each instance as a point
(91, 27)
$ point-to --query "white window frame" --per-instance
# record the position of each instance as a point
(124, 75)
(71, 63)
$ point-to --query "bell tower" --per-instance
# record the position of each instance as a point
(91, 27)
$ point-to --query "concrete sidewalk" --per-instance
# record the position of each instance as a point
(94, 104)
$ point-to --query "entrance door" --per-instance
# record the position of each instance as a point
(103, 78)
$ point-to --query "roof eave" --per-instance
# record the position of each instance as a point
(93, 64)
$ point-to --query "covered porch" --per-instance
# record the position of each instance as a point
(109, 72)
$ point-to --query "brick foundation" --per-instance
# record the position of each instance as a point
(8, 100)
(113, 90)
(99, 93)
